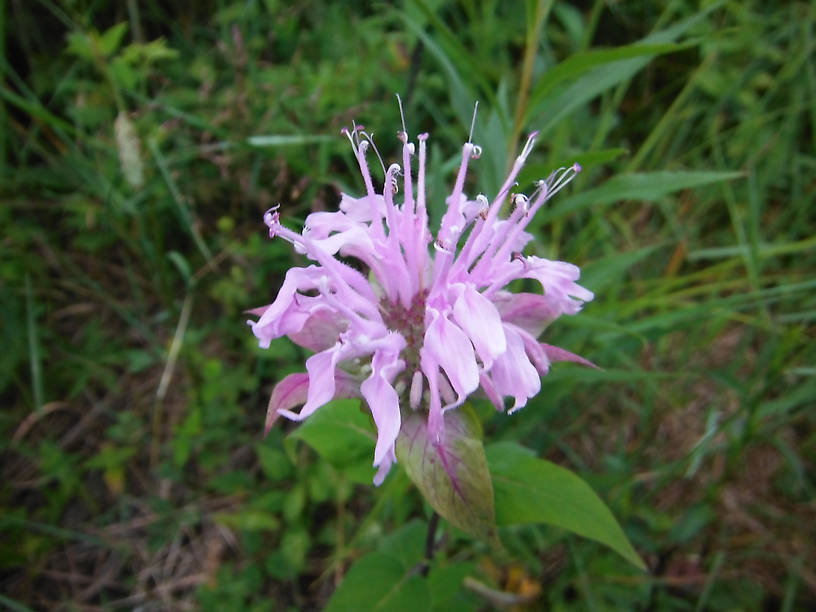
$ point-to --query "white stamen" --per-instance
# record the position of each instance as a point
(473, 121)
(541, 190)
(416, 389)
(370, 138)
(560, 178)
(402, 117)
(323, 284)
(528, 147)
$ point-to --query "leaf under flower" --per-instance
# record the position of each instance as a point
(451, 471)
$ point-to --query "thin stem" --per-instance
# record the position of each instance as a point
(429, 543)
(135, 21)
(530, 49)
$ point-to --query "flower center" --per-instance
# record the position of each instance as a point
(410, 322)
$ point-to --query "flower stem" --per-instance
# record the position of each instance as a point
(429, 543)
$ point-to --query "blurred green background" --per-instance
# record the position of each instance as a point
(140, 146)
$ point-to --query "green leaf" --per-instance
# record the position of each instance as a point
(446, 585)
(123, 73)
(181, 265)
(274, 463)
(461, 94)
(342, 434)
(607, 271)
(110, 40)
(79, 43)
(248, 519)
(286, 140)
(13, 604)
(598, 72)
(532, 490)
(154, 51)
(379, 582)
(451, 473)
(406, 544)
(289, 558)
(581, 63)
(645, 186)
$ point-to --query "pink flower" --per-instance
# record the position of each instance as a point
(417, 322)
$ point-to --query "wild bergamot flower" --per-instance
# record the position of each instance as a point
(417, 322)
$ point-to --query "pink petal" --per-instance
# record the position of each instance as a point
(322, 384)
(257, 312)
(287, 394)
(513, 374)
(383, 400)
(452, 350)
(320, 330)
(535, 352)
(359, 209)
(436, 422)
(294, 390)
(288, 312)
(385, 466)
(490, 391)
(319, 225)
(557, 280)
(556, 353)
(480, 320)
(531, 312)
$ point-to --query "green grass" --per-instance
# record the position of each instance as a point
(133, 466)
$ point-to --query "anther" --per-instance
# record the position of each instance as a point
(440, 247)
(521, 200)
(485, 205)
(272, 219)
(528, 146)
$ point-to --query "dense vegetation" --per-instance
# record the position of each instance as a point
(139, 148)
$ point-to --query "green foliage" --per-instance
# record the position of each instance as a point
(389, 578)
(531, 490)
(380, 582)
(343, 435)
(140, 145)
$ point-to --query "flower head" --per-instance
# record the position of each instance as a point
(418, 322)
